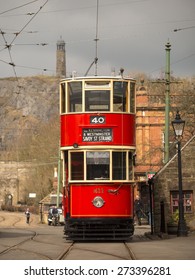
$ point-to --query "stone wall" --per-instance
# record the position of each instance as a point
(166, 180)
(13, 178)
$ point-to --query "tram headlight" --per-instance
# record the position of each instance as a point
(98, 201)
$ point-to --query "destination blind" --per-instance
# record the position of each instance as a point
(97, 135)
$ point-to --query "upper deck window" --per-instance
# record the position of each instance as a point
(75, 97)
(111, 95)
(120, 96)
(63, 98)
(132, 98)
(97, 100)
(97, 84)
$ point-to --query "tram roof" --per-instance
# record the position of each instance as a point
(98, 78)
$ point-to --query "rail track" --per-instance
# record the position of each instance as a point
(19, 240)
(98, 251)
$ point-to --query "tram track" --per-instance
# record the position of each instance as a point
(131, 253)
(17, 248)
(16, 239)
(99, 252)
(40, 242)
(65, 253)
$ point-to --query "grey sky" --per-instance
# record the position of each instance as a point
(132, 34)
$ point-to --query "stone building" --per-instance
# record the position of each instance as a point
(13, 178)
(166, 192)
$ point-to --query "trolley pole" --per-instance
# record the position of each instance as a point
(167, 101)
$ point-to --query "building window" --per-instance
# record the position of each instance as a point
(187, 201)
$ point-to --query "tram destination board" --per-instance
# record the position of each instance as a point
(97, 135)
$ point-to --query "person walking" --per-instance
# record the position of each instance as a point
(138, 209)
(55, 215)
(27, 213)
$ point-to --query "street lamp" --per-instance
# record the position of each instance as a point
(178, 127)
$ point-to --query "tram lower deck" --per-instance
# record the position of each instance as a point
(103, 211)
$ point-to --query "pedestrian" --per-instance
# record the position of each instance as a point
(27, 213)
(55, 210)
(138, 209)
(55, 214)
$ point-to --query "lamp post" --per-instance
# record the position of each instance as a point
(178, 127)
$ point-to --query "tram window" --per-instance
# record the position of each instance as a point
(97, 100)
(132, 97)
(93, 84)
(77, 166)
(63, 98)
(120, 93)
(75, 97)
(119, 165)
(98, 165)
(130, 166)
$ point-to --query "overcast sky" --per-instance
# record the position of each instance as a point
(132, 34)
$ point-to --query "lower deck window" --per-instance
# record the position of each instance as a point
(119, 165)
(100, 165)
(77, 166)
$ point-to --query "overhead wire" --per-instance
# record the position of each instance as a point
(77, 7)
(8, 46)
(18, 7)
(34, 15)
(174, 62)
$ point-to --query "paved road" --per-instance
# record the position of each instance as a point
(172, 248)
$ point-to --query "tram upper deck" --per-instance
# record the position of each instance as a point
(98, 110)
(97, 94)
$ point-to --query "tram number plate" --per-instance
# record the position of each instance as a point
(97, 135)
(97, 119)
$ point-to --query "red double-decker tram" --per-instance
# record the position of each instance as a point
(98, 148)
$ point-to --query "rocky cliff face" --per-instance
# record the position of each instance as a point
(27, 106)
(26, 102)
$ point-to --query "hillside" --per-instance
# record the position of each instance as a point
(25, 104)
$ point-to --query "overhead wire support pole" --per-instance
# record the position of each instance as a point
(167, 81)
(167, 101)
